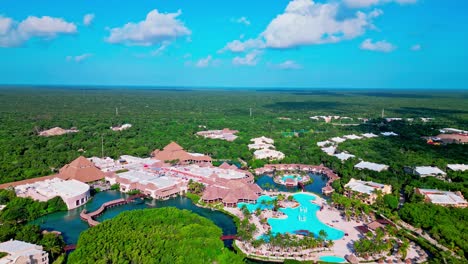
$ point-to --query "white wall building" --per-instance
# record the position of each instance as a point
(74, 193)
(443, 198)
(369, 135)
(344, 156)
(269, 154)
(371, 166)
(457, 167)
(22, 252)
(425, 171)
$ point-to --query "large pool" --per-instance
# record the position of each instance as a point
(263, 202)
(303, 217)
(332, 259)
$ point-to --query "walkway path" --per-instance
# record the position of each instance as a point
(90, 217)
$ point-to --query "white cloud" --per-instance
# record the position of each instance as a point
(381, 46)
(250, 59)
(416, 47)
(367, 3)
(156, 28)
(305, 22)
(241, 46)
(204, 62)
(14, 34)
(242, 20)
(88, 19)
(79, 58)
(288, 65)
(161, 49)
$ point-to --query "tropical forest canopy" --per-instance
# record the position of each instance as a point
(166, 235)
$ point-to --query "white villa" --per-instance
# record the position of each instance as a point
(425, 171)
(329, 150)
(388, 134)
(369, 135)
(263, 139)
(352, 137)
(371, 166)
(269, 154)
(369, 188)
(23, 252)
(224, 134)
(344, 156)
(121, 128)
(325, 143)
(74, 193)
(457, 167)
(338, 139)
(443, 198)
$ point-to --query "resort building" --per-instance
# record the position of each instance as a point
(369, 135)
(370, 166)
(443, 198)
(390, 119)
(454, 131)
(103, 163)
(121, 128)
(175, 153)
(74, 193)
(388, 134)
(81, 169)
(269, 154)
(225, 134)
(457, 167)
(155, 185)
(325, 143)
(261, 146)
(23, 253)
(426, 171)
(338, 139)
(263, 139)
(352, 137)
(368, 188)
(453, 138)
(344, 156)
(57, 131)
(329, 150)
(231, 192)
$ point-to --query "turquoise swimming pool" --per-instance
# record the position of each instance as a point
(291, 177)
(260, 204)
(303, 217)
(332, 259)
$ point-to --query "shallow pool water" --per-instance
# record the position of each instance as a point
(332, 259)
(263, 202)
(291, 177)
(303, 217)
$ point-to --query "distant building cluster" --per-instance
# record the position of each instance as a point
(328, 119)
(368, 188)
(443, 198)
(225, 134)
(22, 252)
(57, 131)
(264, 149)
(121, 128)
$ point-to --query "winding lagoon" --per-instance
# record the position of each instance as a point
(70, 224)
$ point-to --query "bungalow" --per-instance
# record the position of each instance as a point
(425, 171)
(457, 167)
(174, 152)
(368, 188)
(443, 198)
(371, 166)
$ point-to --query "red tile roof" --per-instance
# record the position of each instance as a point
(81, 169)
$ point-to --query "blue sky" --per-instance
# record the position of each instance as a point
(263, 43)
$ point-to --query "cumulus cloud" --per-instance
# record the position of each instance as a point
(14, 34)
(155, 29)
(242, 20)
(305, 22)
(250, 59)
(88, 19)
(79, 58)
(416, 47)
(204, 62)
(367, 3)
(381, 46)
(241, 46)
(288, 65)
